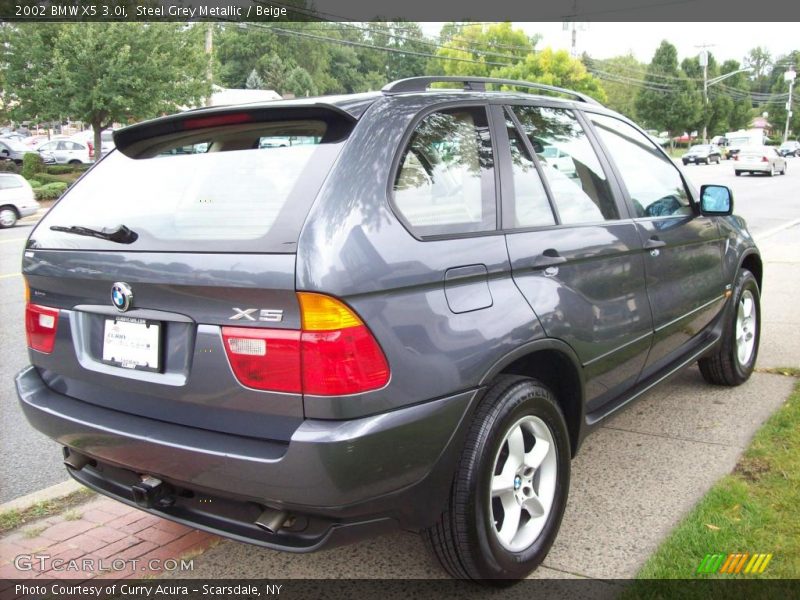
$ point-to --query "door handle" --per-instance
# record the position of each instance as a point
(654, 242)
(548, 258)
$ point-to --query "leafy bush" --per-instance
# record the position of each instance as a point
(35, 183)
(8, 166)
(46, 178)
(60, 169)
(50, 191)
(31, 164)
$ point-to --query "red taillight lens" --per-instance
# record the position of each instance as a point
(735, 157)
(764, 159)
(265, 359)
(345, 361)
(91, 149)
(334, 354)
(41, 324)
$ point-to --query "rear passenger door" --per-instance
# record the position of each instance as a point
(575, 256)
(683, 257)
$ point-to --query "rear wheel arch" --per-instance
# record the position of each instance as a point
(554, 364)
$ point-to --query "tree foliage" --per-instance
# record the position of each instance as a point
(671, 102)
(103, 73)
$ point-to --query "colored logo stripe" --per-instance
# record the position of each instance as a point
(734, 563)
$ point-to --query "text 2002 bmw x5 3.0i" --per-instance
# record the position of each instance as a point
(333, 317)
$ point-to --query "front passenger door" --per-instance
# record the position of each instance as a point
(683, 250)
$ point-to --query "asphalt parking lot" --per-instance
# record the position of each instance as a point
(641, 449)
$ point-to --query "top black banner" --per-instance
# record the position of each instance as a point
(710, 11)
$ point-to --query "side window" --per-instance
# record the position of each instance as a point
(580, 188)
(8, 183)
(654, 183)
(445, 183)
(531, 206)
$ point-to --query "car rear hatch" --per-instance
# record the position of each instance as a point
(189, 227)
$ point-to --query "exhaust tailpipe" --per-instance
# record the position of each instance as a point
(272, 520)
(75, 461)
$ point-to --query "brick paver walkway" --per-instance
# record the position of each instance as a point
(101, 538)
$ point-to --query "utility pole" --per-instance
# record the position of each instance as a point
(703, 59)
(789, 76)
(210, 57)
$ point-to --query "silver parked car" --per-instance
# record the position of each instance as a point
(16, 199)
(65, 152)
(759, 159)
(11, 149)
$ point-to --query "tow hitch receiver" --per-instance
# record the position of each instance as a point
(151, 492)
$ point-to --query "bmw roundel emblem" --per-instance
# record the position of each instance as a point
(121, 296)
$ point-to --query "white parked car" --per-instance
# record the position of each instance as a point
(65, 152)
(87, 138)
(16, 199)
(759, 159)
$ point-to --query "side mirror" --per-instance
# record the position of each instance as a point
(716, 201)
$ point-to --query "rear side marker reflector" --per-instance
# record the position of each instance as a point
(41, 324)
(333, 354)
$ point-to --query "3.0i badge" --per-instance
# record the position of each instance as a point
(121, 296)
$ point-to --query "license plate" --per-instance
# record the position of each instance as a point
(132, 343)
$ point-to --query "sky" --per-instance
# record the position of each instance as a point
(604, 40)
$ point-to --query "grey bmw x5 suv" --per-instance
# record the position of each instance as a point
(408, 313)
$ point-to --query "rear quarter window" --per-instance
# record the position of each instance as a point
(231, 189)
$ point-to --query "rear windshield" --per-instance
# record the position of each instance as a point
(226, 189)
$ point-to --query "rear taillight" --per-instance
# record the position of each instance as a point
(41, 324)
(91, 149)
(735, 157)
(764, 159)
(265, 359)
(333, 354)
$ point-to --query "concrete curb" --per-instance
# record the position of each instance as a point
(59, 490)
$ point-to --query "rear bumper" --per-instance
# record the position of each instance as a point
(761, 167)
(27, 211)
(336, 476)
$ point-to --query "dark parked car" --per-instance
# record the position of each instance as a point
(790, 148)
(702, 153)
(409, 317)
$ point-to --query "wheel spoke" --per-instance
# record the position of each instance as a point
(516, 447)
(502, 483)
(747, 307)
(512, 512)
(533, 506)
(534, 458)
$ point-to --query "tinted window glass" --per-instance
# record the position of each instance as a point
(654, 183)
(446, 179)
(531, 206)
(218, 191)
(580, 188)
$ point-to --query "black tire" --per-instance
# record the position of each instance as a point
(8, 216)
(464, 538)
(686, 162)
(75, 162)
(724, 367)
(737, 173)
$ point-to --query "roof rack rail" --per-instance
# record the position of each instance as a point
(475, 84)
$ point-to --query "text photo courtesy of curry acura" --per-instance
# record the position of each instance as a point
(408, 316)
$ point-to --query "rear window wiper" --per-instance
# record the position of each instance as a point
(119, 234)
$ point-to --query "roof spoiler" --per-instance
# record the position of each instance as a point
(129, 140)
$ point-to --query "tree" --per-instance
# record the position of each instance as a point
(481, 49)
(108, 72)
(254, 81)
(671, 101)
(742, 109)
(760, 60)
(620, 94)
(299, 83)
(554, 67)
(780, 88)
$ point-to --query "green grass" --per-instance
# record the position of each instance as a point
(754, 509)
(12, 519)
